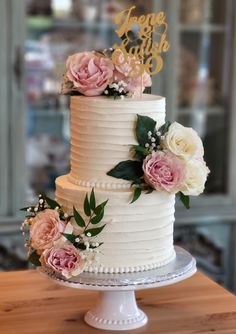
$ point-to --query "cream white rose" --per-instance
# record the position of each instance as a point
(183, 142)
(197, 172)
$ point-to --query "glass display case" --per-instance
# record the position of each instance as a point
(199, 94)
(55, 30)
(204, 78)
(197, 81)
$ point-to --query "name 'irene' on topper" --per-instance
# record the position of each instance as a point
(143, 37)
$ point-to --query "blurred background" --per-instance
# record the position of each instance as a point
(198, 81)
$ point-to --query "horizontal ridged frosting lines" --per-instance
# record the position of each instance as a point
(102, 130)
(137, 236)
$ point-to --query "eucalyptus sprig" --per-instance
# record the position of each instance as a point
(44, 203)
(95, 214)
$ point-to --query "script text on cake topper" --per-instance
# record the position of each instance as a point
(144, 39)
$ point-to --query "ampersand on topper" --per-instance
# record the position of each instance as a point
(144, 39)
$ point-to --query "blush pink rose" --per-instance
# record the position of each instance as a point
(134, 85)
(46, 228)
(123, 73)
(164, 172)
(90, 74)
(64, 260)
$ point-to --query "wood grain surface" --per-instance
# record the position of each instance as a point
(31, 303)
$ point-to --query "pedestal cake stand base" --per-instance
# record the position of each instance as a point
(116, 308)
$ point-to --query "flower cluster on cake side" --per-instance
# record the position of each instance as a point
(94, 73)
(167, 159)
(61, 243)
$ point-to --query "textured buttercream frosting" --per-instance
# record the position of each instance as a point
(137, 236)
(102, 132)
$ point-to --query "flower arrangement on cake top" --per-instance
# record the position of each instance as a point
(62, 243)
(94, 73)
(167, 159)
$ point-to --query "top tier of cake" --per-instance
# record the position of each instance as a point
(102, 132)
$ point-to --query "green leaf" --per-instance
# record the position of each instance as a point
(137, 182)
(94, 231)
(140, 152)
(143, 126)
(93, 247)
(136, 195)
(92, 200)
(25, 209)
(100, 207)
(96, 219)
(185, 200)
(34, 259)
(87, 209)
(69, 237)
(127, 170)
(83, 247)
(79, 220)
(65, 219)
(149, 191)
(164, 128)
(51, 202)
(80, 246)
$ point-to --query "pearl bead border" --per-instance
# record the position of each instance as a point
(140, 317)
(98, 184)
(120, 270)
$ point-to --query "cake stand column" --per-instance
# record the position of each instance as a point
(116, 310)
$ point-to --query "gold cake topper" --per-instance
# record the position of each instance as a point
(144, 39)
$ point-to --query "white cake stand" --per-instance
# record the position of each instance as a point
(116, 308)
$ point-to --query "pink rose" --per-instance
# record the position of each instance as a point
(123, 73)
(46, 228)
(134, 84)
(164, 171)
(89, 73)
(64, 260)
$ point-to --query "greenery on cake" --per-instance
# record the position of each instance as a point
(94, 73)
(167, 159)
(61, 242)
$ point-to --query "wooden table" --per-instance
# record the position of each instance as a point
(31, 304)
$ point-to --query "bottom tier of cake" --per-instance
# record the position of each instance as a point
(137, 236)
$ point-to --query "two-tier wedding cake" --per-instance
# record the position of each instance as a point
(114, 211)
(137, 236)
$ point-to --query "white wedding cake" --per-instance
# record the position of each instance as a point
(138, 236)
(114, 211)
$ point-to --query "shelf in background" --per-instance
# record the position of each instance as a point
(211, 28)
(208, 110)
(48, 112)
(45, 24)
